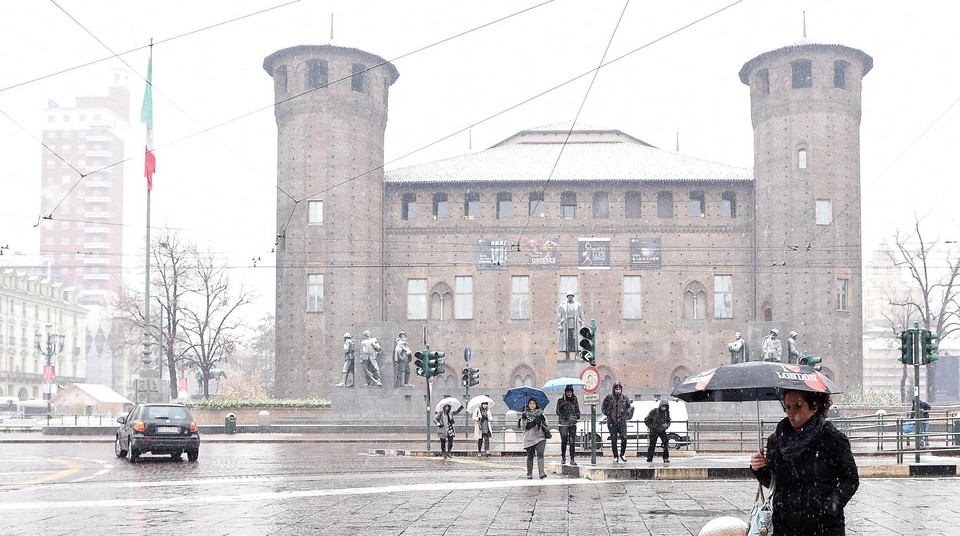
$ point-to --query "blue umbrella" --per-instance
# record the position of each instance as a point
(561, 383)
(518, 397)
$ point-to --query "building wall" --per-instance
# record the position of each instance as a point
(28, 307)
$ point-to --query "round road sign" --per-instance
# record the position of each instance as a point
(467, 354)
(591, 377)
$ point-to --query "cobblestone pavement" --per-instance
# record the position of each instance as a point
(303, 488)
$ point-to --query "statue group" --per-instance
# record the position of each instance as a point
(370, 351)
(771, 348)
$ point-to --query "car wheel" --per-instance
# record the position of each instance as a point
(673, 441)
(192, 455)
(118, 449)
(133, 454)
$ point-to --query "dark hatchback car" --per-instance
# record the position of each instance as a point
(158, 429)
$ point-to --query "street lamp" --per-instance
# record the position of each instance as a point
(52, 348)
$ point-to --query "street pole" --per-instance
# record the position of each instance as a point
(427, 354)
(53, 347)
(917, 357)
(593, 434)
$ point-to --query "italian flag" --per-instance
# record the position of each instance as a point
(146, 117)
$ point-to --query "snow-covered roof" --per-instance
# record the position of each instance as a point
(102, 393)
(596, 155)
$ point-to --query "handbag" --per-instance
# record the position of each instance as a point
(761, 517)
(546, 430)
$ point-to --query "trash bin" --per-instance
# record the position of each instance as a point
(230, 423)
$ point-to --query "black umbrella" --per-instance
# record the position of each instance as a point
(755, 380)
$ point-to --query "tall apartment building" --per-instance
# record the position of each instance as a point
(83, 243)
(670, 254)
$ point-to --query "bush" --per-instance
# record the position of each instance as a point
(228, 403)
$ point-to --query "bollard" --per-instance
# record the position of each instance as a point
(230, 423)
(263, 420)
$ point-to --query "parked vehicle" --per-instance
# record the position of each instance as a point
(637, 433)
(158, 429)
(30, 409)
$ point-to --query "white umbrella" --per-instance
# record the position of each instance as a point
(454, 404)
(477, 400)
(561, 383)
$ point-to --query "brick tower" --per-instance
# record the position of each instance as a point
(331, 115)
(805, 108)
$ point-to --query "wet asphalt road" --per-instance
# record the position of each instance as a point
(324, 488)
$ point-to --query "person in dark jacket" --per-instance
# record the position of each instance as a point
(657, 421)
(444, 420)
(618, 410)
(812, 466)
(534, 441)
(568, 413)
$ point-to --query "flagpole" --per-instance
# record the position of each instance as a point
(147, 389)
(146, 282)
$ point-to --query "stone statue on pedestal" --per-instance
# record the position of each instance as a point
(793, 354)
(349, 359)
(738, 349)
(369, 352)
(569, 322)
(401, 361)
(772, 348)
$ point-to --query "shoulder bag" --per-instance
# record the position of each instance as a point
(761, 517)
(546, 430)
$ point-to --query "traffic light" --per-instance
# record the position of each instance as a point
(906, 347)
(928, 346)
(420, 364)
(588, 344)
(474, 377)
(435, 364)
(465, 377)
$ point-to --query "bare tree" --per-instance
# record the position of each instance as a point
(175, 278)
(209, 324)
(264, 348)
(936, 306)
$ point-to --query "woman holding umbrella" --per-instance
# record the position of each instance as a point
(534, 441)
(811, 466)
(568, 413)
(445, 431)
(481, 427)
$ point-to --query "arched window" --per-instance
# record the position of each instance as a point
(522, 381)
(441, 302)
(802, 159)
(694, 301)
(523, 376)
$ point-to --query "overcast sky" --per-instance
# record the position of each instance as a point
(218, 186)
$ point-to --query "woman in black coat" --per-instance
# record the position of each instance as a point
(815, 473)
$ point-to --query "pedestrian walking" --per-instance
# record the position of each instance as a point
(618, 410)
(812, 468)
(534, 441)
(445, 430)
(481, 427)
(657, 421)
(568, 413)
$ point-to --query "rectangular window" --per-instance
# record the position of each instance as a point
(504, 206)
(315, 212)
(316, 74)
(520, 297)
(696, 205)
(843, 286)
(601, 205)
(802, 159)
(471, 206)
(840, 74)
(763, 81)
(568, 283)
(632, 202)
(728, 205)
(632, 298)
(802, 74)
(463, 300)
(824, 211)
(665, 205)
(356, 81)
(409, 207)
(315, 293)
(416, 299)
(568, 205)
(723, 296)
(537, 207)
(441, 210)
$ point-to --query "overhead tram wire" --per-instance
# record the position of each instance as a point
(573, 124)
(530, 99)
(157, 42)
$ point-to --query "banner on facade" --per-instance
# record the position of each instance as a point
(492, 253)
(545, 253)
(644, 253)
(594, 253)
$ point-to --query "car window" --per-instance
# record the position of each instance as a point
(166, 412)
(133, 414)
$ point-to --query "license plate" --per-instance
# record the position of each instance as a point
(168, 429)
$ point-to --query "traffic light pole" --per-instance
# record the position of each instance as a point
(427, 353)
(917, 357)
